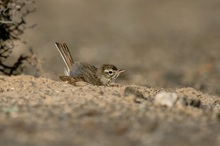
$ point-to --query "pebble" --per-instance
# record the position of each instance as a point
(166, 99)
(136, 95)
(183, 102)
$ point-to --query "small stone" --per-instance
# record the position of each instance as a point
(166, 98)
(137, 96)
(101, 93)
(190, 102)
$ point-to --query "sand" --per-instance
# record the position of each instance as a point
(41, 111)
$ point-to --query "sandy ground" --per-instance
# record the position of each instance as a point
(40, 111)
(170, 46)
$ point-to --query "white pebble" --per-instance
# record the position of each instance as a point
(166, 98)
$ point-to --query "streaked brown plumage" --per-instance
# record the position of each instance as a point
(82, 71)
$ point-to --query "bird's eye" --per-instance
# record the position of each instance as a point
(110, 72)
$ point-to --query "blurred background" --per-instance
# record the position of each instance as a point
(166, 44)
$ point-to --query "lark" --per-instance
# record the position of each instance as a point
(82, 71)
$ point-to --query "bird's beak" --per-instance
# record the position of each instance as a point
(121, 71)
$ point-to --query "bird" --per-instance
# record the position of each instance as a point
(75, 71)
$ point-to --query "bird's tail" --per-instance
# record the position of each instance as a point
(66, 56)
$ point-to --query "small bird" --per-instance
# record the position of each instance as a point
(82, 71)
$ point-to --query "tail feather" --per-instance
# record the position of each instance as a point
(66, 56)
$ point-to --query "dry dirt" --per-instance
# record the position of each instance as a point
(171, 46)
(40, 111)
